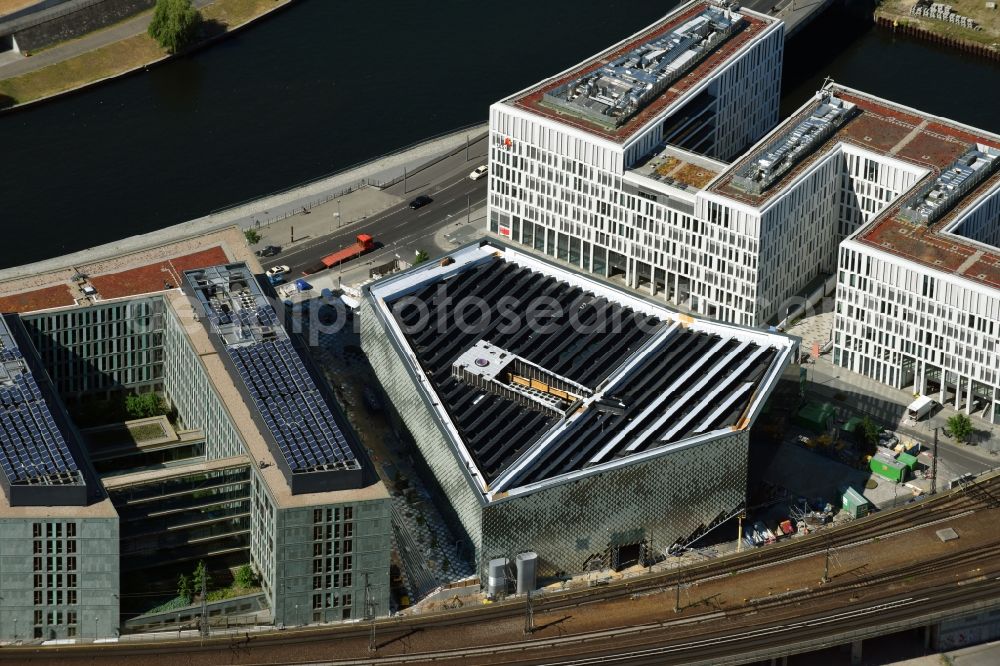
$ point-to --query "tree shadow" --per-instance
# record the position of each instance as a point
(6, 101)
(211, 29)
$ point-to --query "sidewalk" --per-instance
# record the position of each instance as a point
(329, 214)
(279, 206)
(434, 242)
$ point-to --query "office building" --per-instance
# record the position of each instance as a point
(563, 416)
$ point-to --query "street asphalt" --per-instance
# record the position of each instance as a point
(455, 198)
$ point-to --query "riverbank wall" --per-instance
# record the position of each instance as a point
(899, 27)
(68, 20)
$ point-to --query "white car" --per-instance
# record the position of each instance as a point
(277, 270)
(479, 172)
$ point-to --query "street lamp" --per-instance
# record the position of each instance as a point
(96, 619)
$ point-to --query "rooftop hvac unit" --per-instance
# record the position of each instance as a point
(527, 572)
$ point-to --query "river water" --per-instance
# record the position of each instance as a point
(327, 84)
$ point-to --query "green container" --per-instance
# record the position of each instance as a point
(815, 416)
(908, 460)
(854, 503)
(890, 469)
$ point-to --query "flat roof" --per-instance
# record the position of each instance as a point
(306, 436)
(542, 372)
(238, 404)
(616, 92)
(959, 165)
(33, 443)
(152, 270)
(679, 168)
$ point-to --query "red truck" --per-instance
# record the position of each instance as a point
(362, 245)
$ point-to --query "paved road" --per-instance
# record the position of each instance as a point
(398, 226)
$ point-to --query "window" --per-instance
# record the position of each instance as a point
(348, 530)
(38, 564)
(71, 547)
(38, 597)
(38, 617)
(347, 580)
(38, 547)
(347, 563)
(71, 580)
(348, 513)
(317, 515)
(70, 597)
(71, 564)
(71, 530)
(317, 601)
(318, 582)
(36, 530)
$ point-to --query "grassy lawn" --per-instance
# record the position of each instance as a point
(235, 12)
(989, 19)
(91, 66)
(116, 58)
(146, 432)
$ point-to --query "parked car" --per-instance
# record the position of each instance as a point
(268, 251)
(420, 201)
(274, 271)
(479, 172)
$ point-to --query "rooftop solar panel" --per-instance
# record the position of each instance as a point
(291, 405)
(32, 450)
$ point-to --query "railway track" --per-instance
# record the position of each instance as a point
(934, 510)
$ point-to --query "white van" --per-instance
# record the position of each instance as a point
(920, 408)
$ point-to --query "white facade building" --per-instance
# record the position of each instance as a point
(899, 209)
(582, 170)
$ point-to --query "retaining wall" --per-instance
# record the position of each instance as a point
(71, 19)
(962, 45)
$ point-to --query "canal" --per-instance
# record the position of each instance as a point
(324, 85)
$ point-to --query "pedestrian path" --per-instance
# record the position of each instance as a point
(14, 65)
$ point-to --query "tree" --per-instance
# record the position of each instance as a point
(175, 24)
(143, 406)
(184, 588)
(201, 574)
(960, 426)
(252, 236)
(421, 257)
(869, 435)
(244, 577)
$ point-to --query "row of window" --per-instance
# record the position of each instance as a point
(53, 530)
